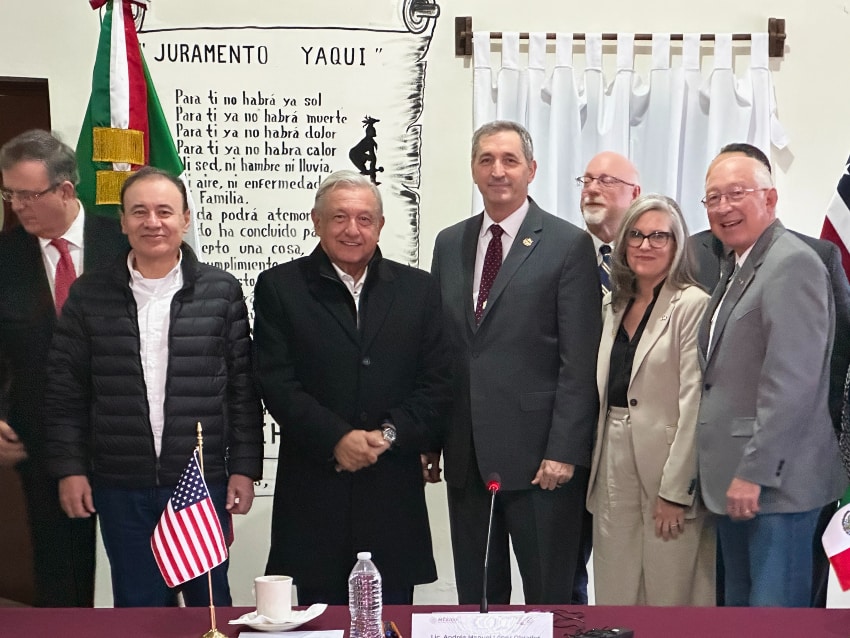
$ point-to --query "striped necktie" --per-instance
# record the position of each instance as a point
(605, 268)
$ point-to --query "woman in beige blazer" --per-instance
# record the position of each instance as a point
(653, 542)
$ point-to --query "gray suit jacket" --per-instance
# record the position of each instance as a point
(524, 382)
(709, 253)
(764, 415)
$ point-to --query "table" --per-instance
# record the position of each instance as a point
(647, 622)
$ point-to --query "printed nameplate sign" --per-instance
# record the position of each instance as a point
(509, 624)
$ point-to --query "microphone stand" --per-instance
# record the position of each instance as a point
(493, 485)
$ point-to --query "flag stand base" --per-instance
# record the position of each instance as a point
(213, 633)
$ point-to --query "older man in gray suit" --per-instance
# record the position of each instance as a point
(768, 457)
(521, 298)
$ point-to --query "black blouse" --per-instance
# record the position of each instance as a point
(623, 356)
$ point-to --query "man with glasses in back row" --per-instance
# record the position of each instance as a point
(764, 348)
(608, 187)
(39, 260)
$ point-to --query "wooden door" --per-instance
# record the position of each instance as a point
(24, 104)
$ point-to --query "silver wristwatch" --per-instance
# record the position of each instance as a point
(389, 433)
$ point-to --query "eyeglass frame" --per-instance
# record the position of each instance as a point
(734, 195)
(7, 195)
(634, 233)
(585, 180)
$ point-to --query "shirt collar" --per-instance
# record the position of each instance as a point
(598, 243)
(75, 232)
(348, 280)
(509, 224)
(739, 261)
(137, 278)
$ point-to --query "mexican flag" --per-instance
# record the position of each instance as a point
(836, 541)
(124, 126)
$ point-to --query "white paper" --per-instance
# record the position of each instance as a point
(511, 624)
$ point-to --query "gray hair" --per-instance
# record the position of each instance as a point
(763, 176)
(38, 145)
(623, 281)
(499, 126)
(346, 179)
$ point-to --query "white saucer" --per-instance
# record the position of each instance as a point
(296, 619)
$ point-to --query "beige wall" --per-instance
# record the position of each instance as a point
(57, 39)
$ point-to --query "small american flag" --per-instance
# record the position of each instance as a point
(188, 540)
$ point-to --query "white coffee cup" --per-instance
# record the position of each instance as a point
(274, 596)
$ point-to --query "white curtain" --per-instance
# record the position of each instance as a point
(670, 123)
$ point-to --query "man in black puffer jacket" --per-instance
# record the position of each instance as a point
(142, 352)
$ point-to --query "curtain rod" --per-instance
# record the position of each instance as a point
(775, 30)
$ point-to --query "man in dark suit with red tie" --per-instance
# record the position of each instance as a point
(39, 260)
(521, 297)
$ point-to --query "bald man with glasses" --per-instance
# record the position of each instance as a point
(764, 348)
(608, 187)
(710, 254)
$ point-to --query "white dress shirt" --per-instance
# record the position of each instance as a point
(50, 254)
(739, 261)
(354, 287)
(153, 301)
(510, 225)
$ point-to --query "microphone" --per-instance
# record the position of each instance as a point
(494, 482)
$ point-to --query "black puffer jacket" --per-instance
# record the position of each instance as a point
(96, 411)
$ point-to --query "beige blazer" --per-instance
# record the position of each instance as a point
(664, 394)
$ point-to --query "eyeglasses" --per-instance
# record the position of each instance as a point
(658, 239)
(25, 197)
(733, 196)
(605, 181)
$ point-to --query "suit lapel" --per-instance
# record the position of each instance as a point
(331, 293)
(716, 295)
(610, 326)
(376, 302)
(741, 282)
(657, 323)
(469, 246)
(526, 241)
(33, 277)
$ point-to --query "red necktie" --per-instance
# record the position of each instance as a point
(65, 273)
(492, 263)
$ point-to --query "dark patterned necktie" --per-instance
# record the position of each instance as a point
(65, 273)
(492, 263)
(605, 268)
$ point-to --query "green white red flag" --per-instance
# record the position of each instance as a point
(124, 126)
(836, 541)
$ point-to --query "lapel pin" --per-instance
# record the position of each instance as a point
(527, 242)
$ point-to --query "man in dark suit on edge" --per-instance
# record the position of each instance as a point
(521, 297)
(39, 176)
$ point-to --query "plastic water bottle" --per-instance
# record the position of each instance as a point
(364, 598)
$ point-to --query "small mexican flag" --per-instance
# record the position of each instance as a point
(124, 125)
(836, 541)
